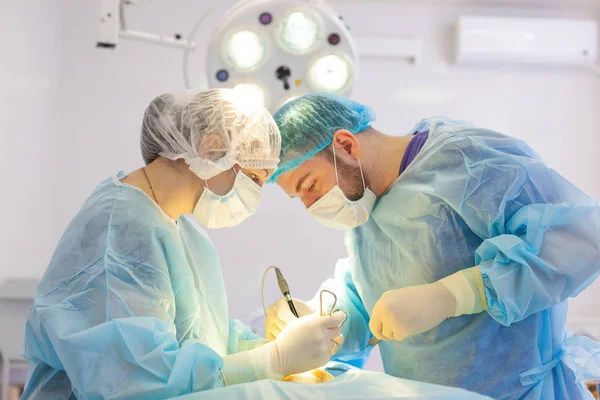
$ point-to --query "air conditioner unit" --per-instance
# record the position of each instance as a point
(501, 40)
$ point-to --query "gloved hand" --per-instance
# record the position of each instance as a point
(307, 343)
(412, 310)
(279, 315)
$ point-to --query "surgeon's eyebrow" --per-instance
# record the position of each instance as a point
(300, 182)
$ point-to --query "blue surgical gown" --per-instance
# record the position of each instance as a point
(474, 197)
(132, 306)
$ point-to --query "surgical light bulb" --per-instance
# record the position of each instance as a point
(329, 73)
(246, 50)
(299, 32)
(250, 94)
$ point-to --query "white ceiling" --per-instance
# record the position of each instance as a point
(595, 4)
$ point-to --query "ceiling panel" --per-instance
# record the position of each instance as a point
(594, 4)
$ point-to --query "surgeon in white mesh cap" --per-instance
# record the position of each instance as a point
(216, 135)
(133, 303)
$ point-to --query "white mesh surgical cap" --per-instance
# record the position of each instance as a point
(212, 130)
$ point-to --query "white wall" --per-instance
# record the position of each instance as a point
(29, 68)
(103, 94)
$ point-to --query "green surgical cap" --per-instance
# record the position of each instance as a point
(307, 125)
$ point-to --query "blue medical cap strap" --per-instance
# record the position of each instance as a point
(296, 162)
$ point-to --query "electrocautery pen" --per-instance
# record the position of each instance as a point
(285, 291)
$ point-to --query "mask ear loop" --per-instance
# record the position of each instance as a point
(361, 174)
(337, 183)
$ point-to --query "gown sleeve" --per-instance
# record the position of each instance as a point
(116, 337)
(541, 234)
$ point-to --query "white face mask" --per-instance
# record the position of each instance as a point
(215, 211)
(335, 210)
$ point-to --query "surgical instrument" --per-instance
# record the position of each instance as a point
(372, 343)
(321, 302)
(285, 291)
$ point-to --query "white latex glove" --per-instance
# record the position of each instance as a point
(305, 344)
(279, 315)
(409, 311)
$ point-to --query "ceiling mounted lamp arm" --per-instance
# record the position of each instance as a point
(113, 26)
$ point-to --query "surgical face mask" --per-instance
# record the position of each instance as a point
(335, 210)
(215, 211)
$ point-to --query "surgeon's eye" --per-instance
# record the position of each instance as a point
(255, 178)
(312, 187)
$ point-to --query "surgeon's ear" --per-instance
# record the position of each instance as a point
(211, 148)
(345, 142)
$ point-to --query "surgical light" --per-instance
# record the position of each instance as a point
(299, 32)
(275, 50)
(330, 73)
(250, 93)
(245, 50)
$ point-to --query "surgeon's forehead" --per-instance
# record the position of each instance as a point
(286, 181)
(261, 173)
